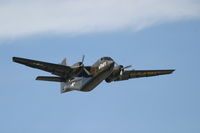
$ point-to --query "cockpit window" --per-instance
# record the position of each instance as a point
(106, 58)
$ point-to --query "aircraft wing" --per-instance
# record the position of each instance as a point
(57, 69)
(142, 73)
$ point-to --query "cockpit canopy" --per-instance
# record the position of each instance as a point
(102, 60)
(106, 58)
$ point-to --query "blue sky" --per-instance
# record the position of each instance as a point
(158, 104)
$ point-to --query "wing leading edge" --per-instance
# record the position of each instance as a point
(142, 73)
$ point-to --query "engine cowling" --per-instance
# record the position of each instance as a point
(117, 71)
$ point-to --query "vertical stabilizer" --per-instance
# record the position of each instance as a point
(64, 62)
(62, 84)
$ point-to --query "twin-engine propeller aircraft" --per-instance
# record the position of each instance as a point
(85, 78)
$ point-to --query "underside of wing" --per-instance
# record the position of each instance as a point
(142, 73)
(56, 69)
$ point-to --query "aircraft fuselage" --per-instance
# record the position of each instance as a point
(104, 68)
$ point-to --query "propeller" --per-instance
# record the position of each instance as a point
(122, 68)
(82, 65)
(83, 58)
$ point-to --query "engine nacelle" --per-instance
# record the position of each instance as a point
(115, 74)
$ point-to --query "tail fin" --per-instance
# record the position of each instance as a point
(62, 84)
(62, 89)
(64, 62)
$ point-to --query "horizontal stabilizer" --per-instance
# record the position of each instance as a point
(47, 78)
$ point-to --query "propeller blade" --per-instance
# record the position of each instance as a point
(86, 71)
(121, 72)
(83, 58)
(83, 67)
(123, 68)
(127, 66)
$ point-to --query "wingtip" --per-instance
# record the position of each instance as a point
(15, 59)
(18, 59)
(172, 70)
(37, 78)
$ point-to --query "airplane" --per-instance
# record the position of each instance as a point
(85, 78)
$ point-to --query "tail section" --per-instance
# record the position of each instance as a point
(48, 78)
(62, 84)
